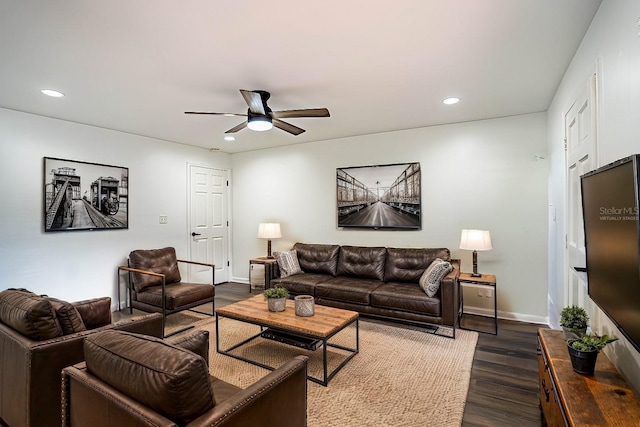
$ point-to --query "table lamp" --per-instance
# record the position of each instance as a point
(475, 240)
(269, 230)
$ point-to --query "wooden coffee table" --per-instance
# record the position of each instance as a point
(310, 333)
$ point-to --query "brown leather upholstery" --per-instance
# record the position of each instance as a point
(377, 281)
(364, 263)
(278, 399)
(155, 283)
(30, 369)
(161, 261)
(319, 259)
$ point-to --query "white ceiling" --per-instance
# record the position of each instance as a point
(378, 66)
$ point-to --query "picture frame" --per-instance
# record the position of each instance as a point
(81, 195)
(380, 197)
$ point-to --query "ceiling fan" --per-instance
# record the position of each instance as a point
(260, 117)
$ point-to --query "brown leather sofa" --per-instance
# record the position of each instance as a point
(376, 281)
(132, 380)
(39, 336)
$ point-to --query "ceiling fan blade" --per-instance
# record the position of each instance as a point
(287, 127)
(309, 112)
(216, 114)
(254, 101)
(237, 128)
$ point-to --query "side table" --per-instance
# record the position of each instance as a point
(268, 263)
(484, 280)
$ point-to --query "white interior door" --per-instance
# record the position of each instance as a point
(208, 223)
(580, 147)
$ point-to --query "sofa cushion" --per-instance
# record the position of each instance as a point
(430, 279)
(319, 259)
(68, 316)
(161, 261)
(301, 284)
(362, 262)
(29, 314)
(408, 264)
(177, 295)
(288, 263)
(347, 289)
(405, 297)
(168, 379)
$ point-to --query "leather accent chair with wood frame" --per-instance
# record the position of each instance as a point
(155, 284)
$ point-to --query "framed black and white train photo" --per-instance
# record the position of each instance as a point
(379, 197)
(85, 196)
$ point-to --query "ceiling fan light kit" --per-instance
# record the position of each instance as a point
(261, 118)
(259, 122)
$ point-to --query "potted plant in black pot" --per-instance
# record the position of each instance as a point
(276, 298)
(583, 351)
(574, 321)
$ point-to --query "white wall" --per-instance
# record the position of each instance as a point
(613, 40)
(82, 264)
(474, 175)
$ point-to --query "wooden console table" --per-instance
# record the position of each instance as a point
(571, 399)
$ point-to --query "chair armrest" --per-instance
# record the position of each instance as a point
(262, 402)
(197, 263)
(137, 270)
(450, 294)
(94, 312)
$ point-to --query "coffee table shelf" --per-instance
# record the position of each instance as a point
(322, 326)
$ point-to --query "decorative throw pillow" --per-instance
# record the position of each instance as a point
(288, 263)
(430, 279)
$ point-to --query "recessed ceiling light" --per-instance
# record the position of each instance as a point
(51, 92)
(451, 100)
(229, 138)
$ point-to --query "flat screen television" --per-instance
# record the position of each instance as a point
(612, 242)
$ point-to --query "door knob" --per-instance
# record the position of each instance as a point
(194, 234)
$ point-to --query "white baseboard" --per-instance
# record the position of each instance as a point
(528, 318)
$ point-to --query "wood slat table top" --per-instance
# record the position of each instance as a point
(325, 322)
(603, 398)
(489, 279)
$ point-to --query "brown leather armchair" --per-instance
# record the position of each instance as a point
(37, 341)
(155, 284)
(131, 380)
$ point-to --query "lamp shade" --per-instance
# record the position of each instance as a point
(269, 230)
(475, 240)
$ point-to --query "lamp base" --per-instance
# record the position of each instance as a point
(476, 275)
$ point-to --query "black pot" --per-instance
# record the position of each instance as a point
(583, 362)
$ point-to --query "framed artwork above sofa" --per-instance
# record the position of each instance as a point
(381, 197)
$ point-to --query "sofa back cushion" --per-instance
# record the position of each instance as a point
(95, 312)
(67, 315)
(29, 314)
(318, 259)
(166, 378)
(408, 264)
(362, 262)
(161, 261)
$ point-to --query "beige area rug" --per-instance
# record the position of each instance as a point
(182, 319)
(400, 377)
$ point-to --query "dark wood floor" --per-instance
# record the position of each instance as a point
(503, 390)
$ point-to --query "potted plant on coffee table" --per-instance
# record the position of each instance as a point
(583, 351)
(574, 321)
(276, 298)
